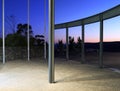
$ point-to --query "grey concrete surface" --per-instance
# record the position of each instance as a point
(21, 75)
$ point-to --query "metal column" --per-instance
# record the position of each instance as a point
(44, 29)
(28, 33)
(82, 47)
(3, 30)
(67, 46)
(101, 43)
(51, 42)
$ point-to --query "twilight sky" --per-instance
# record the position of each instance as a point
(68, 10)
(65, 10)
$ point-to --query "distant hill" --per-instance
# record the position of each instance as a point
(107, 46)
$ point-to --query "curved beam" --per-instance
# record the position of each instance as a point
(113, 12)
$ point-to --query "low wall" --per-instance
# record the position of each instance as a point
(13, 53)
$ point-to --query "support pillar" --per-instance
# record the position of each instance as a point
(67, 44)
(51, 42)
(45, 56)
(101, 43)
(82, 46)
(28, 32)
(3, 30)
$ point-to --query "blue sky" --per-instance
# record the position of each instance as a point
(69, 10)
(65, 10)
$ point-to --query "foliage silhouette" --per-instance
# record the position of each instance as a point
(71, 44)
(61, 45)
(23, 28)
(73, 47)
(19, 38)
(59, 48)
(78, 44)
(15, 40)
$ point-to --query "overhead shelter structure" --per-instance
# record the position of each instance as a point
(113, 12)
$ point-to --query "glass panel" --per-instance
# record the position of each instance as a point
(16, 29)
(92, 35)
(60, 43)
(75, 43)
(112, 42)
(37, 29)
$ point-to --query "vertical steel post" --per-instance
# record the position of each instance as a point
(101, 43)
(28, 33)
(3, 29)
(45, 29)
(82, 47)
(67, 42)
(51, 42)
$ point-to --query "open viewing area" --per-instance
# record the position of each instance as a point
(28, 62)
(21, 75)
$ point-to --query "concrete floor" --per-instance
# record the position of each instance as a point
(70, 76)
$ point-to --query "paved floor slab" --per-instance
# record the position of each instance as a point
(22, 75)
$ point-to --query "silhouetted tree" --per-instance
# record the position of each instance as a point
(71, 44)
(15, 40)
(60, 47)
(78, 44)
(19, 29)
(19, 38)
(22, 29)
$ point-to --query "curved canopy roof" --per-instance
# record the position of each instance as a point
(115, 11)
